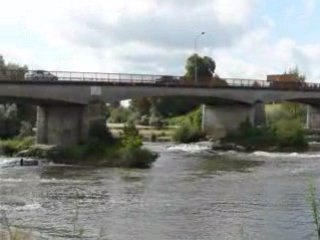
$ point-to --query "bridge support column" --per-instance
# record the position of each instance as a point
(259, 114)
(313, 117)
(218, 121)
(66, 124)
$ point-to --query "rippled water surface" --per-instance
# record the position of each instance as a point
(190, 193)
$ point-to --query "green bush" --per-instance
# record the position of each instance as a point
(187, 134)
(125, 152)
(12, 146)
(119, 115)
(290, 133)
(283, 134)
(99, 132)
(194, 118)
(190, 127)
(136, 158)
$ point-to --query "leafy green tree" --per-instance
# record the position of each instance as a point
(11, 71)
(290, 132)
(12, 115)
(174, 106)
(141, 105)
(291, 110)
(9, 122)
(205, 66)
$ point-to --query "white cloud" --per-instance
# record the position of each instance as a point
(233, 11)
(152, 36)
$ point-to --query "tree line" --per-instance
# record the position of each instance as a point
(15, 118)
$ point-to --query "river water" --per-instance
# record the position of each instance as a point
(189, 193)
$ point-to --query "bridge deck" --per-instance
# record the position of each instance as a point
(124, 79)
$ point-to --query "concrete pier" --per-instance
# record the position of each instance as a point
(218, 121)
(66, 124)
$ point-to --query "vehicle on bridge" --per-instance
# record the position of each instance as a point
(285, 81)
(167, 80)
(40, 75)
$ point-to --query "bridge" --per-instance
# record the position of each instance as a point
(71, 101)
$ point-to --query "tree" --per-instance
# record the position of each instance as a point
(175, 105)
(206, 66)
(295, 71)
(11, 71)
(141, 105)
(12, 115)
(294, 110)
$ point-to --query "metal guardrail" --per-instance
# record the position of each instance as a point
(149, 79)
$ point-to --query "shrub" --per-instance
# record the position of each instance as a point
(187, 134)
(99, 132)
(10, 147)
(136, 158)
(290, 133)
(130, 137)
(119, 115)
(132, 155)
(283, 134)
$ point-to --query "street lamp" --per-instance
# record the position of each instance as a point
(196, 56)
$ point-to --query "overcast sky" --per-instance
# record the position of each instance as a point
(246, 38)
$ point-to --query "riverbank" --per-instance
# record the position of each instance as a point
(148, 133)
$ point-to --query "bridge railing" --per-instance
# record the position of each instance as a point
(105, 77)
(149, 79)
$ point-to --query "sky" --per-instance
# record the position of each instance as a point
(246, 38)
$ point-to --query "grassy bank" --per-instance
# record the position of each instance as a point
(148, 133)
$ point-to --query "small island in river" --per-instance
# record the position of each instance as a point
(100, 149)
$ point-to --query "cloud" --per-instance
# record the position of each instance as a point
(165, 24)
(153, 36)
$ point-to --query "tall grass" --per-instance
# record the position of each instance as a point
(12, 233)
(314, 205)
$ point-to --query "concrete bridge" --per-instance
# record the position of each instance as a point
(70, 104)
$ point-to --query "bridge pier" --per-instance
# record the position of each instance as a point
(66, 124)
(218, 121)
(313, 117)
(259, 114)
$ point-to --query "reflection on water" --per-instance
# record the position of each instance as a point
(190, 193)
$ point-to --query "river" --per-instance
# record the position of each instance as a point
(189, 193)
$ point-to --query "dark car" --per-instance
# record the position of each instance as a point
(168, 80)
(40, 75)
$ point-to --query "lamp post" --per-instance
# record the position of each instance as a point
(196, 56)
